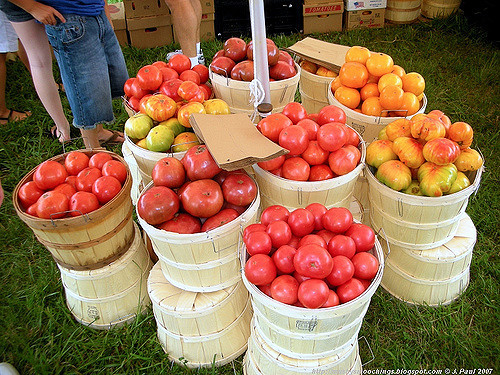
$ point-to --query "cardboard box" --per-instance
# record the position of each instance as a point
(329, 55)
(323, 18)
(117, 12)
(207, 6)
(316, 2)
(364, 4)
(145, 8)
(207, 27)
(364, 19)
(149, 32)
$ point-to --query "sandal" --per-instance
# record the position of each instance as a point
(10, 117)
(53, 133)
(113, 138)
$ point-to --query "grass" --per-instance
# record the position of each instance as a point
(462, 71)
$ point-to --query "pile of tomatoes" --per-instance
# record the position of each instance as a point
(194, 194)
(76, 186)
(311, 257)
(320, 145)
(235, 61)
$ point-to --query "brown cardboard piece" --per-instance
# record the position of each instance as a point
(233, 140)
(323, 17)
(329, 55)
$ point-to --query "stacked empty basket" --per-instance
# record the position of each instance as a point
(429, 241)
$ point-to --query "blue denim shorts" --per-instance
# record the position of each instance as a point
(14, 13)
(92, 67)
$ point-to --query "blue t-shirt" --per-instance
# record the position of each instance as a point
(80, 7)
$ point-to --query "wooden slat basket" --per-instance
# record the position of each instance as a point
(402, 11)
(439, 8)
(314, 90)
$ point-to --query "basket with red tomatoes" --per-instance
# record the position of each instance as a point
(78, 205)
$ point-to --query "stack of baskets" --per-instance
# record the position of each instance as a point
(102, 258)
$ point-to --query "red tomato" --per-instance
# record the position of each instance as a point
(314, 239)
(318, 210)
(202, 71)
(71, 180)
(202, 198)
(243, 71)
(350, 290)
(299, 277)
(301, 222)
(190, 75)
(142, 103)
(238, 209)
(239, 189)
(182, 223)
(98, 160)
(326, 235)
(273, 213)
(310, 126)
(168, 172)
(272, 164)
(222, 65)
(188, 90)
(179, 63)
(260, 269)
(365, 265)
(314, 154)
(294, 138)
(257, 227)
(136, 90)
(272, 125)
(149, 77)
(344, 160)
(331, 113)
(86, 178)
(106, 188)
(280, 233)
(313, 261)
(168, 74)
(31, 210)
(342, 271)
(135, 103)
(331, 136)
(285, 56)
(266, 289)
(285, 289)
(235, 49)
(158, 205)
(363, 236)
(199, 163)
(258, 242)
(333, 300)
(49, 174)
(220, 218)
(366, 283)
(313, 293)
(352, 138)
(83, 202)
(170, 89)
(295, 112)
(52, 205)
(277, 172)
(281, 70)
(66, 189)
(283, 258)
(320, 173)
(272, 52)
(116, 169)
(296, 169)
(160, 64)
(207, 91)
(126, 87)
(294, 242)
(29, 193)
(342, 245)
(75, 161)
(337, 219)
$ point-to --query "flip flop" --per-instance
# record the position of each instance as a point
(113, 138)
(10, 118)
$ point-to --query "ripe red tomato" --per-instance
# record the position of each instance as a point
(199, 163)
(160, 107)
(301, 222)
(170, 89)
(207, 91)
(243, 71)
(66, 189)
(285, 289)
(314, 154)
(352, 138)
(29, 193)
(182, 223)
(75, 161)
(86, 178)
(238, 209)
(257, 227)
(299, 277)
(272, 52)
(126, 87)
(274, 213)
(135, 103)
(168, 74)
(342, 245)
(363, 236)
(52, 205)
(314, 239)
(333, 300)
(31, 210)
(49, 174)
(294, 242)
(296, 168)
(71, 180)
(83, 202)
(320, 173)
(202, 71)
(220, 218)
(149, 77)
(239, 189)
(160, 64)
(190, 75)
(136, 90)
(266, 289)
(202, 198)
(331, 113)
(179, 63)
(318, 210)
(222, 65)
(277, 172)
(260, 269)
(98, 160)
(258, 242)
(272, 164)
(313, 261)
(272, 125)
(294, 138)
(168, 172)
(280, 233)
(313, 293)
(310, 126)
(344, 160)
(342, 271)
(295, 112)
(283, 258)
(331, 136)
(235, 49)
(116, 169)
(106, 188)
(326, 235)
(158, 205)
(350, 290)
(337, 219)
(365, 265)
(285, 56)
(281, 70)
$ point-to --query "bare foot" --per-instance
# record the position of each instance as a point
(62, 136)
(110, 137)
(11, 115)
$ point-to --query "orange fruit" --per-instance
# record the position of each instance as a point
(357, 54)
(391, 97)
(369, 90)
(379, 64)
(372, 78)
(372, 107)
(414, 82)
(353, 74)
(420, 97)
(348, 96)
(389, 79)
(410, 105)
(335, 84)
(399, 71)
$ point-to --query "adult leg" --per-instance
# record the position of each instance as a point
(21, 53)
(186, 23)
(34, 39)
(6, 114)
(196, 4)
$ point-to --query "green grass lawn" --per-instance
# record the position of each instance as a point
(462, 70)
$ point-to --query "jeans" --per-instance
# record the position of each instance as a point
(92, 67)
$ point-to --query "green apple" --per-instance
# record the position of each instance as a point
(138, 126)
(173, 124)
(159, 139)
(142, 143)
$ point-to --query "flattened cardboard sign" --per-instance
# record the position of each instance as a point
(233, 140)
